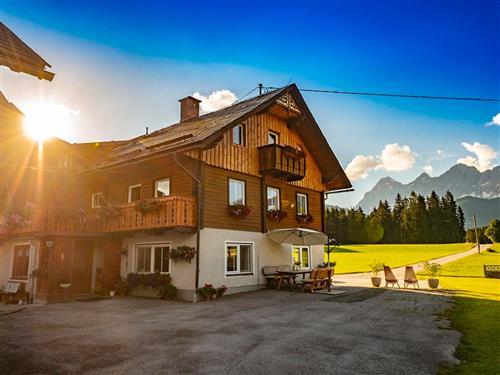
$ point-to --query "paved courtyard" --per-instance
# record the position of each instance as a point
(363, 331)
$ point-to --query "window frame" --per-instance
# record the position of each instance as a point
(244, 183)
(13, 277)
(129, 200)
(152, 246)
(306, 203)
(267, 198)
(101, 199)
(243, 136)
(277, 135)
(238, 262)
(301, 247)
(155, 187)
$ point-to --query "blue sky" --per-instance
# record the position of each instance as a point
(123, 65)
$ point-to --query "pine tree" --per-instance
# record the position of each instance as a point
(461, 220)
(397, 219)
(435, 217)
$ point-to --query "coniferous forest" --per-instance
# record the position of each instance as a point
(413, 219)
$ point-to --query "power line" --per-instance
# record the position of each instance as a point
(408, 96)
(248, 93)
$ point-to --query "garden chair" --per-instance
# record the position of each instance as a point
(410, 277)
(270, 274)
(317, 280)
(389, 277)
(14, 291)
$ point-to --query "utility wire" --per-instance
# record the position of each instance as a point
(396, 95)
(248, 93)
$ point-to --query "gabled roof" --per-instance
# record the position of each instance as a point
(204, 131)
(18, 57)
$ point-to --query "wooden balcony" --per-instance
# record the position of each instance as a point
(173, 212)
(282, 162)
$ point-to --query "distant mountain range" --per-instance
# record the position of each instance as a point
(476, 190)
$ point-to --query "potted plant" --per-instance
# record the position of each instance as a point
(221, 290)
(207, 292)
(121, 288)
(432, 269)
(276, 215)
(148, 205)
(239, 210)
(375, 268)
(305, 219)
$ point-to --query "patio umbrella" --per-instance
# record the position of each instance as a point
(298, 236)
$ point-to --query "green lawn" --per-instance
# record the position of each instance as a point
(475, 313)
(356, 258)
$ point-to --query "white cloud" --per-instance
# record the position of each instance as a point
(483, 159)
(392, 158)
(428, 169)
(495, 120)
(216, 100)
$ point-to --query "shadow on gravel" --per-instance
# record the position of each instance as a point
(360, 296)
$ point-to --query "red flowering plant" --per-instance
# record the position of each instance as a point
(148, 205)
(182, 252)
(207, 292)
(221, 290)
(17, 217)
(276, 215)
(239, 210)
(305, 219)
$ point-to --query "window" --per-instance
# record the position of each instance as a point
(236, 192)
(152, 258)
(21, 262)
(97, 200)
(273, 198)
(239, 258)
(302, 255)
(134, 193)
(302, 204)
(239, 135)
(162, 188)
(272, 138)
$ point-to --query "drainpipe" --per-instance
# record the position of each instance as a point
(198, 222)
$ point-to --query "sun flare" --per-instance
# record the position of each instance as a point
(45, 120)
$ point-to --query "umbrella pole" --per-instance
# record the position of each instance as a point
(329, 269)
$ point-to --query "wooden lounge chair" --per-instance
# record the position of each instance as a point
(389, 277)
(318, 280)
(14, 292)
(410, 277)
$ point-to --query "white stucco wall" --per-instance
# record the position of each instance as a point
(182, 272)
(266, 253)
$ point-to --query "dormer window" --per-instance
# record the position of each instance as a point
(272, 138)
(239, 135)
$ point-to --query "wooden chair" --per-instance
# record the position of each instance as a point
(389, 277)
(410, 277)
(317, 280)
(14, 291)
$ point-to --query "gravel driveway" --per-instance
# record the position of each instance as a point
(363, 331)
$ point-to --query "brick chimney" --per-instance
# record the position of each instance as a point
(190, 108)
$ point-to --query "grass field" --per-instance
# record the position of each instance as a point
(475, 313)
(356, 258)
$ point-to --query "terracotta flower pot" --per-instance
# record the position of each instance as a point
(433, 283)
(376, 281)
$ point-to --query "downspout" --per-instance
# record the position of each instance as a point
(198, 223)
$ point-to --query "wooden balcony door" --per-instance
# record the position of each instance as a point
(82, 267)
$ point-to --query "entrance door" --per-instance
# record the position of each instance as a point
(82, 267)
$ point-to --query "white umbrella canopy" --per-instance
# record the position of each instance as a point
(298, 236)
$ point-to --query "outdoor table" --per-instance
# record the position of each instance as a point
(291, 275)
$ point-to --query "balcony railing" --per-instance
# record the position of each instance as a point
(282, 162)
(170, 212)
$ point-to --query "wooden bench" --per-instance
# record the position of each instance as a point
(14, 291)
(318, 280)
(492, 271)
(271, 273)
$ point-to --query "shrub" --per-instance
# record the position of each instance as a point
(493, 230)
(121, 287)
(154, 280)
(167, 292)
